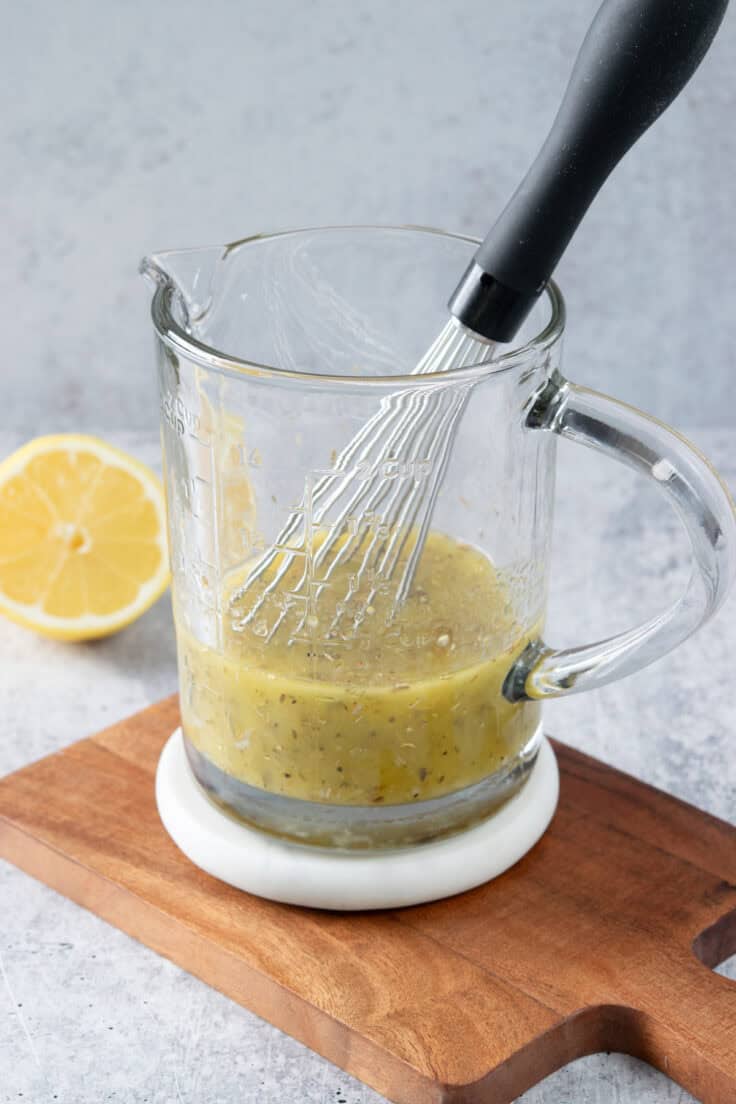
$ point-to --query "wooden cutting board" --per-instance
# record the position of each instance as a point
(600, 939)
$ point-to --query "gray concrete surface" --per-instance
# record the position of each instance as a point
(138, 126)
(88, 1016)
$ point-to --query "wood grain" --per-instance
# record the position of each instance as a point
(602, 938)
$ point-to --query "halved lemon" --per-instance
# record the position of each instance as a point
(82, 537)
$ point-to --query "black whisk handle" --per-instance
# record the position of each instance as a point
(635, 59)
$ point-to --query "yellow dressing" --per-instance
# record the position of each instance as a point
(403, 710)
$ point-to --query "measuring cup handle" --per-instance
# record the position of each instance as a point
(704, 506)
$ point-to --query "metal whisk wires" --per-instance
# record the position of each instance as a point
(374, 505)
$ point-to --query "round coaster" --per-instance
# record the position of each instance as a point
(318, 878)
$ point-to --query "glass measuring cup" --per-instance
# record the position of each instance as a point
(312, 705)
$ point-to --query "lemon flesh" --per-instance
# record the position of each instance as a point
(82, 537)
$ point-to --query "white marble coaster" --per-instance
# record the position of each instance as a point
(318, 878)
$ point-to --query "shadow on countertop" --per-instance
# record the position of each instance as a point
(148, 646)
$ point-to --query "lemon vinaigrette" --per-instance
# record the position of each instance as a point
(405, 710)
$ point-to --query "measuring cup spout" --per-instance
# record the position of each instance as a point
(188, 275)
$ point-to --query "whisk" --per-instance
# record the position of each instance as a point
(636, 57)
(411, 432)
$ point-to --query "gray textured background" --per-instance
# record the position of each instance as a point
(131, 127)
(140, 126)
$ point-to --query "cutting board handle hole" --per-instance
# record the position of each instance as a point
(727, 969)
(716, 946)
